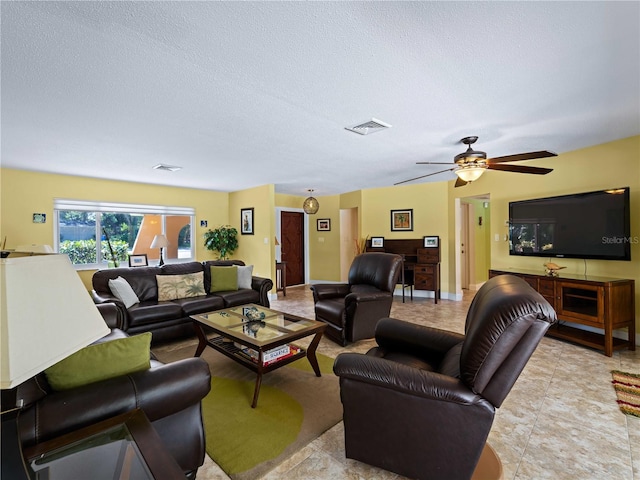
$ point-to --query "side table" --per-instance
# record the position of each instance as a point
(125, 447)
(281, 278)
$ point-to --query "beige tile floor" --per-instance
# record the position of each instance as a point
(560, 421)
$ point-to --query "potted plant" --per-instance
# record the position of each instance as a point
(223, 240)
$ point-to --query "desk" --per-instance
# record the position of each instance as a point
(407, 277)
(123, 447)
(420, 265)
(281, 278)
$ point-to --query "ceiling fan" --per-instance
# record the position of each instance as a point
(471, 164)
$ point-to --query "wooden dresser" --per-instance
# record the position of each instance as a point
(602, 303)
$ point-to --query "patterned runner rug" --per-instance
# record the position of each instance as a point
(627, 387)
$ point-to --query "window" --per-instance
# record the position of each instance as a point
(98, 234)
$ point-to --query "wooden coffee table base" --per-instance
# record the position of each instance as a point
(311, 356)
(222, 344)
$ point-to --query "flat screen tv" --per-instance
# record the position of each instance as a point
(593, 225)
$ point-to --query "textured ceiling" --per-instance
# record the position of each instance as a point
(242, 94)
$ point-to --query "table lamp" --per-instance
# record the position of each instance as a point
(46, 314)
(160, 241)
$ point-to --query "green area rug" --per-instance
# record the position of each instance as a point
(294, 408)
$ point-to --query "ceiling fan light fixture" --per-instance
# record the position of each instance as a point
(471, 173)
(470, 155)
(310, 205)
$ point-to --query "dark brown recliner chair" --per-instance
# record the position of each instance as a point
(422, 402)
(352, 310)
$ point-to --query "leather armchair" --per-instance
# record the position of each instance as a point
(169, 394)
(421, 403)
(351, 310)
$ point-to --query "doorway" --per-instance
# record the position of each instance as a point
(473, 242)
(348, 240)
(465, 246)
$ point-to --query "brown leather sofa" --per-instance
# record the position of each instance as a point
(168, 320)
(351, 310)
(422, 402)
(168, 394)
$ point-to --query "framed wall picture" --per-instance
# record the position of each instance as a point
(430, 242)
(246, 221)
(138, 260)
(377, 242)
(402, 220)
(324, 224)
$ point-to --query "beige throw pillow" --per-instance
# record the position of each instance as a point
(172, 287)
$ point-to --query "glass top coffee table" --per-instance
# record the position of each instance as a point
(258, 338)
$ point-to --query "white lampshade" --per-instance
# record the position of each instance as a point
(471, 173)
(159, 241)
(46, 314)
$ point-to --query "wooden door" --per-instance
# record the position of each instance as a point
(292, 246)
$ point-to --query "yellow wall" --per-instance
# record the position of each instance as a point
(431, 213)
(24, 193)
(324, 247)
(289, 201)
(252, 249)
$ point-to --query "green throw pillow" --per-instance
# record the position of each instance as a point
(224, 279)
(101, 361)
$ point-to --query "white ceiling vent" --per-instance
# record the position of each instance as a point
(168, 168)
(372, 126)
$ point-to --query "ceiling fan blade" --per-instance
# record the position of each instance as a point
(424, 176)
(520, 169)
(518, 157)
(460, 182)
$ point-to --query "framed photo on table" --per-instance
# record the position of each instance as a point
(323, 224)
(377, 242)
(138, 260)
(430, 242)
(402, 220)
(246, 221)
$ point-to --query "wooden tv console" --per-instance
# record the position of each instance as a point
(602, 303)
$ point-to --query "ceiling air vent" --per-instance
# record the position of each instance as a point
(372, 126)
(168, 168)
